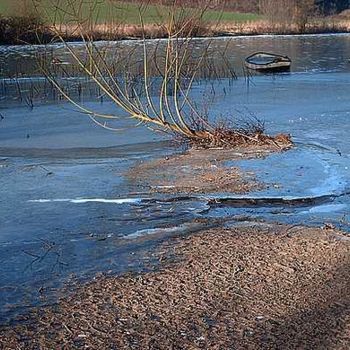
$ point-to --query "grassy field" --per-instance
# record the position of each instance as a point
(116, 11)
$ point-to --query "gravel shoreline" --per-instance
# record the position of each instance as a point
(203, 171)
(257, 286)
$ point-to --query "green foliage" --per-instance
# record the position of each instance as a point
(127, 13)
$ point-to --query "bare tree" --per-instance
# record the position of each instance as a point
(129, 81)
(288, 12)
(303, 10)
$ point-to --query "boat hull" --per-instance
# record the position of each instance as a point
(266, 62)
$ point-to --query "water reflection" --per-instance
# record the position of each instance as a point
(20, 76)
(309, 53)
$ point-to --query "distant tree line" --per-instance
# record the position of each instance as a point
(320, 6)
(332, 6)
(234, 5)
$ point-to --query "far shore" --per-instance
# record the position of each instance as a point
(255, 28)
(102, 32)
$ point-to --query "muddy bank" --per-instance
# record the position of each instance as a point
(201, 171)
(257, 286)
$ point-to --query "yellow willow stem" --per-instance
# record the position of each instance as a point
(176, 83)
(115, 83)
(96, 67)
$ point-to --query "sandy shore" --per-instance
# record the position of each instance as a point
(256, 286)
(203, 171)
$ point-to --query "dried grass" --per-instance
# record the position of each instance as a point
(20, 30)
(322, 25)
(151, 31)
(109, 31)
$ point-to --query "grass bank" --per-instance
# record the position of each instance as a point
(120, 20)
(109, 20)
(121, 12)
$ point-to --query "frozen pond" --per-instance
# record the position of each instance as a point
(68, 210)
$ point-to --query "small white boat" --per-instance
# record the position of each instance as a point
(268, 62)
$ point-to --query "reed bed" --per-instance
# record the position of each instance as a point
(259, 27)
(26, 30)
(319, 26)
(112, 31)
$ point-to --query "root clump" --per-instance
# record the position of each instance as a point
(231, 138)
